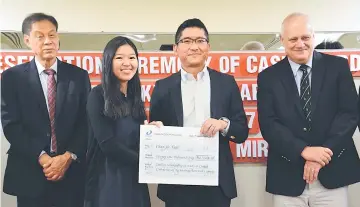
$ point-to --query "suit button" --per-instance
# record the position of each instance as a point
(48, 134)
(305, 129)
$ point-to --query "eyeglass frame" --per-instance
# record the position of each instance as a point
(193, 40)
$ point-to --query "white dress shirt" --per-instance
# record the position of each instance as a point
(196, 98)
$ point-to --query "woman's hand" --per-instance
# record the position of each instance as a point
(156, 123)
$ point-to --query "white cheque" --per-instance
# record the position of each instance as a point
(178, 155)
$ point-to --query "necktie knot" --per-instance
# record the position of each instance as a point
(303, 68)
(49, 71)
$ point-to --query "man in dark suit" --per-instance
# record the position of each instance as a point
(43, 114)
(198, 96)
(307, 107)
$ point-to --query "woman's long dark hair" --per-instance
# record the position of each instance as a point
(116, 105)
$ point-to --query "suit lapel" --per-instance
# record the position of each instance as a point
(215, 94)
(318, 72)
(176, 99)
(61, 86)
(289, 83)
(36, 88)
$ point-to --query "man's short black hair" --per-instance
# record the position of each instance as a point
(329, 45)
(36, 17)
(190, 23)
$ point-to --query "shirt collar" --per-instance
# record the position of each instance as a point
(185, 76)
(41, 68)
(295, 66)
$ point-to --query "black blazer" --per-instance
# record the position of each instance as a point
(166, 106)
(283, 125)
(104, 143)
(26, 125)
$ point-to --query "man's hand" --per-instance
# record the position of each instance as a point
(56, 170)
(45, 159)
(320, 155)
(311, 171)
(212, 126)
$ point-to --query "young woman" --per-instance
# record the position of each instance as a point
(116, 111)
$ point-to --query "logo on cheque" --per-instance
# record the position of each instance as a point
(148, 133)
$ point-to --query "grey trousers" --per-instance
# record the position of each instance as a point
(315, 195)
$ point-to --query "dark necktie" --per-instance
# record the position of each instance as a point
(305, 93)
(51, 96)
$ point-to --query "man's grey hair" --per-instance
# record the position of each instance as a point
(294, 15)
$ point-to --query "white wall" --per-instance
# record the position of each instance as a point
(165, 16)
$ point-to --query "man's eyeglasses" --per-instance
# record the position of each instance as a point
(189, 41)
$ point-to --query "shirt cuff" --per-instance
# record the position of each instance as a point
(73, 156)
(225, 131)
(42, 152)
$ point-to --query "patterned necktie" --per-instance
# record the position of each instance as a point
(305, 93)
(51, 96)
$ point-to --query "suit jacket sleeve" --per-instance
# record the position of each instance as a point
(346, 119)
(103, 131)
(359, 109)
(14, 131)
(79, 142)
(279, 137)
(155, 104)
(238, 131)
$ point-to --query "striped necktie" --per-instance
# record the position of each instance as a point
(51, 96)
(305, 93)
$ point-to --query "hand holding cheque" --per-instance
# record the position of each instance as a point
(156, 123)
(212, 126)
